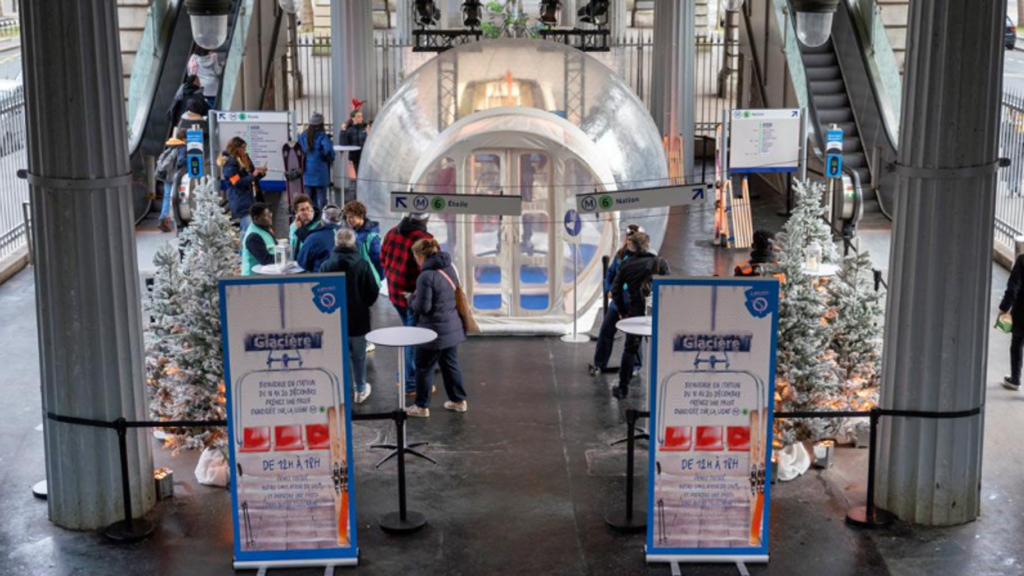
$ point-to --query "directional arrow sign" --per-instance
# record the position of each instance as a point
(482, 204)
(643, 198)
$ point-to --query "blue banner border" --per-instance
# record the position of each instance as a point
(338, 281)
(728, 553)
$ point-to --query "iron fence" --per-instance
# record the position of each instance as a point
(1010, 186)
(13, 191)
(631, 57)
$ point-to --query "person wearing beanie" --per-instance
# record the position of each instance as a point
(762, 253)
(319, 153)
(171, 160)
(401, 271)
(320, 242)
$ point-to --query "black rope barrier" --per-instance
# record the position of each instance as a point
(134, 529)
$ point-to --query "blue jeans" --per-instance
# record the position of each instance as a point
(319, 196)
(244, 223)
(450, 372)
(165, 208)
(409, 319)
(357, 358)
(606, 338)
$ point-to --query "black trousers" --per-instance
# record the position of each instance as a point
(451, 373)
(1016, 356)
(629, 356)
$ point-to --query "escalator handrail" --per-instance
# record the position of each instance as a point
(889, 132)
(274, 39)
(146, 110)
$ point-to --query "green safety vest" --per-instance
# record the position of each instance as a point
(364, 252)
(248, 260)
(293, 239)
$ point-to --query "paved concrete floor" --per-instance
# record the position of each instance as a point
(523, 480)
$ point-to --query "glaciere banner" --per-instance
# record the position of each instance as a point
(712, 390)
(289, 423)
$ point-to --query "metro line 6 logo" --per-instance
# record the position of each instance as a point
(438, 204)
(606, 202)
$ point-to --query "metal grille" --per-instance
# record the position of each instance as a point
(13, 191)
(715, 71)
(1010, 186)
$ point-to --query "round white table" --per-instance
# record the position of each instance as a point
(400, 337)
(642, 326)
(823, 271)
(344, 150)
(273, 270)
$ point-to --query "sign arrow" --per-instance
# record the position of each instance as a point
(400, 202)
(698, 193)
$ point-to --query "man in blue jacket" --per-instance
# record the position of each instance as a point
(320, 242)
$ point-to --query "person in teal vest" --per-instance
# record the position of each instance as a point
(306, 221)
(258, 243)
(367, 236)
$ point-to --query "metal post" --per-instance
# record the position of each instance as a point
(575, 337)
(631, 520)
(129, 529)
(404, 521)
(605, 263)
(868, 516)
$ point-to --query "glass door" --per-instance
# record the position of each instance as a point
(487, 262)
(533, 261)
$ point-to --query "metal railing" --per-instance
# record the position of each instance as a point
(1010, 184)
(13, 191)
(716, 72)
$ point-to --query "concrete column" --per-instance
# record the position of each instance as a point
(937, 324)
(353, 59)
(87, 284)
(673, 86)
(404, 24)
(451, 14)
(568, 14)
(618, 17)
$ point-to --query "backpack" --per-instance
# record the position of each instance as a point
(648, 287)
(167, 163)
(364, 253)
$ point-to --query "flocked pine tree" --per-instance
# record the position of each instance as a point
(197, 388)
(806, 378)
(163, 306)
(856, 332)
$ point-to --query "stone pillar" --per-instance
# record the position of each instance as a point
(404, 22)
(87, 283)
(673, 85)
(353, 59)
(618, 18)
(937, 322)
(568, 14)
(451, 14)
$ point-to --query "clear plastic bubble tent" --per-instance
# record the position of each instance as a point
(530, 118)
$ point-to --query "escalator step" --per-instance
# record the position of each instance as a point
(865, 176)
(855, 160)
(835, 115)
(852, 145)
(820, 60)
(828, 87)
(824, 73)
(823, 101)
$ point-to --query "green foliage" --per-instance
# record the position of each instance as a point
(856, 334)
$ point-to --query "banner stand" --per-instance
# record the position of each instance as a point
(575, 337)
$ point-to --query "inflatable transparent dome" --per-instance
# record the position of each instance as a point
(518, 117)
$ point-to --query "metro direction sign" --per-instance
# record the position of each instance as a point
(482, 204)
(644, 198)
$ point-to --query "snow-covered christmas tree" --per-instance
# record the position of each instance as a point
(195, 391)
(856, 339)
(163, 308)
(806, 378)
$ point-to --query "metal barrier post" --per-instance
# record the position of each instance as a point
(868, 516)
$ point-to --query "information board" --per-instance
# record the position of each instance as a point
(764, 140)
(289, 420)
(713, 380)
(266, 133)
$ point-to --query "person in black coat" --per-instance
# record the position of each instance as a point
(434, 306)
(634, 279)
(362, 290)
(354, 132)
(1013, 302)
(188, 97)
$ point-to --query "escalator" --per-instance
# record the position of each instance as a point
(172, 45)
(841, 91)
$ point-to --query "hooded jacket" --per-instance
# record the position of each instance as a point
(360, 286)
(632, 283)
(396, 258)
(317, 247)
(318, 159)
(434, 302)
(368, 235)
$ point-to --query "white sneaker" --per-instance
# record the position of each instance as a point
(361, 397)
(370, 347)
(457, 406)
(415, 411)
